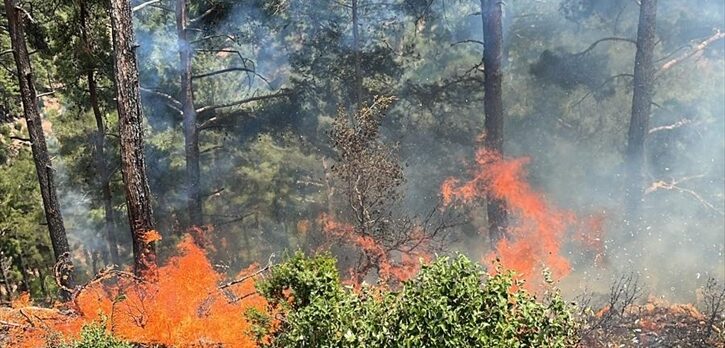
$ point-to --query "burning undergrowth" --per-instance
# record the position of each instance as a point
(189, 305)
(535, 237)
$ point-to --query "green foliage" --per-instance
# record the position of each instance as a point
(450, 303)
(94, 335)
(23, 238)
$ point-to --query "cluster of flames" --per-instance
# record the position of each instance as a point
(537, 229)
(187, 305)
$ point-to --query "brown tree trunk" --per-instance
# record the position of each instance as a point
(191, 131)
(102, 167)
(133, 167)
(644, 71)
(43, 166)
(493, 106)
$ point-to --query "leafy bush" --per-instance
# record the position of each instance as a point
(94, 335)
(450, 303)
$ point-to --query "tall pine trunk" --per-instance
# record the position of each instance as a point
(191, 131)
(357, 83)
(43, 166)
(133, 167)
(644, 72)
(493, 106)
(102, 167)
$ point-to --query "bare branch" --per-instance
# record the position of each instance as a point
(222, 71)
(678, 124)
(595, 43)
(608, 80)
(674, 185)
(142, 5)
(26, 140)
(45, 94)
(198, 18)
(467, 41)
(703, 45)
(171, 101)
(258, 272)
(210, 108)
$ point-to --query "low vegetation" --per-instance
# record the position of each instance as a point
(452, 302)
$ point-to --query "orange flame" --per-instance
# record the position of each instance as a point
(537, 228)
(388, 269)
(184, 308)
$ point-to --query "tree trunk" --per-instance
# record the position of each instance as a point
(4, 268)
(191, 131)
(102, 167)
(133, 167)
(644, 71)
(43, 166)
(493, 106)
(357, 83)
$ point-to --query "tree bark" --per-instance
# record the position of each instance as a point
(133, 167)
(191, 131)
(644, 72)
(493, 106)
(43, 166)
(102, 167)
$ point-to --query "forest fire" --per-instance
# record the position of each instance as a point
(536, 236)
(328, 132)
(186, 306)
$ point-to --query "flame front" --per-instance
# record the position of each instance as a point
(185, 307)
(537, 228)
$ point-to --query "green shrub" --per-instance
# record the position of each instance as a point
(95, 335)
(450, 303)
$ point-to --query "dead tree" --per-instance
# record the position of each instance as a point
(133, 167)
(493, 106)
(101, 162)
(644, 73)
(43, 166)
(370, 179)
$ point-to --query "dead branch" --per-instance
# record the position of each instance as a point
(171, 101)
(18, 138)
(714, 302)
(608, 80)
(674, 185)
(256, 273)
(198, 18)
(209, 108)
(595, 43)
(222, 71)
(467, 41)
(30, 321)
(7, 323)
(142, 5)
(678, 124)
(703, 45)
